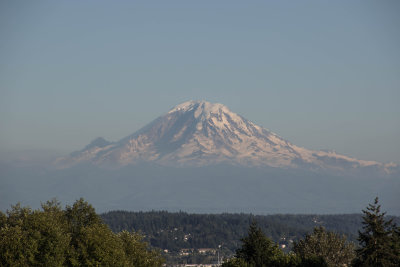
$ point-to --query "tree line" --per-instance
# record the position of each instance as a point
(77, 236)
(180, 230)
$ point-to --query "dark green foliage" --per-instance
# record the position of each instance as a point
(80, 215)
(92, 242)
(311, 261)
(137, 251)
(211, 230)
(167, 230)
(53, 242)
(395, 246)
(18, 247)
(334, 249)
(379, 239)
(258, 250)
(236, 262)
(75, 236)
(32, 237)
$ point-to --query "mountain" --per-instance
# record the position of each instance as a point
(200, 133)
(201, 157)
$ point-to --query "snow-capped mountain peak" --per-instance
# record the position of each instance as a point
(201, 133)
(202, 109)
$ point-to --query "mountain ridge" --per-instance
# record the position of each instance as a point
(200, 133)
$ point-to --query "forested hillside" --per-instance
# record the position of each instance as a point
(175, 231)
(184, 236)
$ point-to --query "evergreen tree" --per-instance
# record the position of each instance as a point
(379, 239)
(257, 250)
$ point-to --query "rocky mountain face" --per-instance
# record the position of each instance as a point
(199, 133)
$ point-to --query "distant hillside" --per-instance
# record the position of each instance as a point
(193, 238)
(175, 231)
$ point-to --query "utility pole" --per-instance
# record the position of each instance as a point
(219, 247)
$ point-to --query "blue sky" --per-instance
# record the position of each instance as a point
(322, 74)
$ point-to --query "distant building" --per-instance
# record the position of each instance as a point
(186, 251)
(207, 251)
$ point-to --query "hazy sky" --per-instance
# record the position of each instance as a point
(322, 74)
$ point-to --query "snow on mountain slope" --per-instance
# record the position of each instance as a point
(199, 133)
